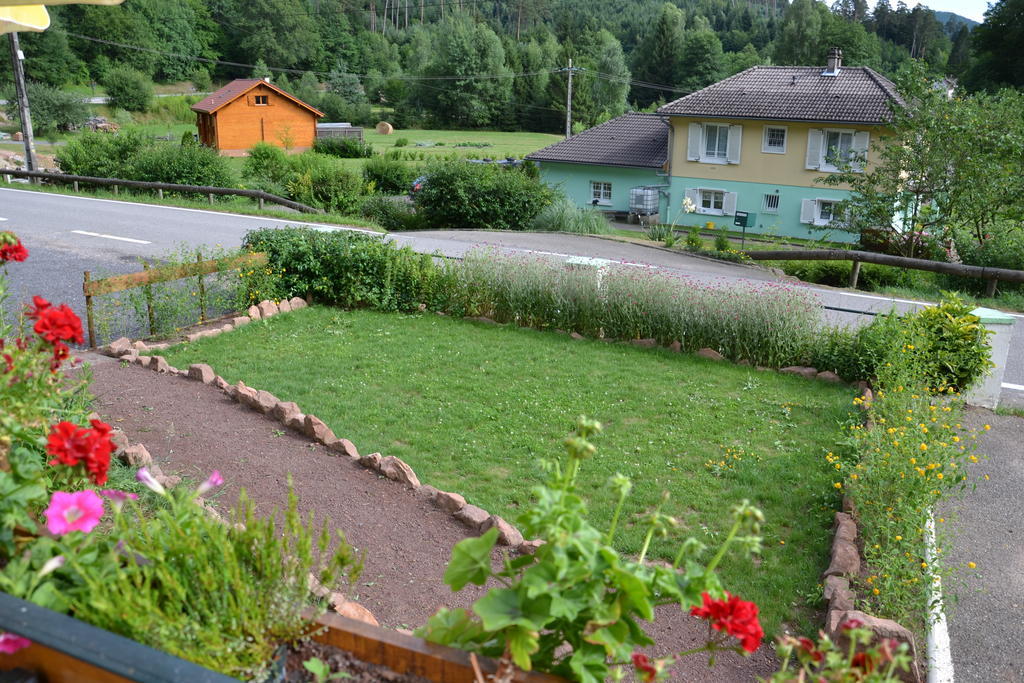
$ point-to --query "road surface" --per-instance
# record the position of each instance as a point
(67, 235)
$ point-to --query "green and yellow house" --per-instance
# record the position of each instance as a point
(757, 143)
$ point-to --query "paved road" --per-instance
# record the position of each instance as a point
(68, 235)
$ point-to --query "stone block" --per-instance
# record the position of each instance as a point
(136, 456)
(240, 320)
(345, 447)
(829, 376)
(118, 347)
(283, 306)
(297, 302)
(253, 312)
(267, 308)
(371, 461)
(845, 559)
(202, 373)
(800, 370)
(284, 410)
(316, 429)
(473, 517)
(710, 354)
(397, 470)
(507, 534)
(846, 528)
(449, 502)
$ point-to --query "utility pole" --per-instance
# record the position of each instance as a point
(568, 104)
(26, 118)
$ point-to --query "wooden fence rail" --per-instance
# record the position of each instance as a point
(992, 275)
(150, 276)
(74, 180)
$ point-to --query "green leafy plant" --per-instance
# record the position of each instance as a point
(391, 176)
(862, 659)
(573, 607)
(694, 242)
(321, 671)
(345, 148)
(128, 88)
(564, 216)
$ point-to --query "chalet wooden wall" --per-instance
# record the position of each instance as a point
(242, 123)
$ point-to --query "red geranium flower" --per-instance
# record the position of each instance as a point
(55, 323)
(11, 248)
(648, 672)
(72, 445)
(734, 616)
(808, 646)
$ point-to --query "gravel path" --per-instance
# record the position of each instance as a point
(191, 429)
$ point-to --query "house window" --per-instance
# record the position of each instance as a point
(261, 99)
(826, 212)
(774, 140)
(712, 201)
(716, 141)
(837, 150)
(600, 192)
(771, 203)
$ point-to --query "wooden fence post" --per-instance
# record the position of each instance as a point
(7, 178)
(88, 311)
(259, 201)
(115, 189)
(210, 195)
(160, 192)
(202, 290)
(990, 287)
(75, 185)
(149, 302)
(854, 274)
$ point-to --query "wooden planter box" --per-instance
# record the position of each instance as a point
(66, 650)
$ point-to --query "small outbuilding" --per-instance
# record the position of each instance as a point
(251, 110)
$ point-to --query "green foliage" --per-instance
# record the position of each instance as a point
(128, 89)
(317, 180)
(694, 242)
(53, 109)
(188, 164)
(390, 214)
(101, 155)
(722, 239)
(344, 148)
(576, 604)
(266, 162)
(658, 57)
(201, 80)
(344, 268)
(461, 195)
(563, 216)
(867, 659)
(196, 587)
(401, 142)
(389, 175)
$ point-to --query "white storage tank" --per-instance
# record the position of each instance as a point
(643, 201)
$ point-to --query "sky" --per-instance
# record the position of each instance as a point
(972, 9)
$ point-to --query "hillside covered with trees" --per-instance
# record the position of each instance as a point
(498, 63)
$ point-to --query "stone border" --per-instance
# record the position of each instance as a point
(845, 562)
(291, 416)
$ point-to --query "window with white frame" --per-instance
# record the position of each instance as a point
(837, 150)
(600, 192)
(826, 211)
(819, 212)
(712, 201)
(716, 141)
(774, 140)
(771, 203)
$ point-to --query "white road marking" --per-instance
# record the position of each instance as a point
(325, 226)
(110, 237)
(1015, 387)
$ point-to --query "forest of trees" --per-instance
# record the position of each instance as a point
(502, 63)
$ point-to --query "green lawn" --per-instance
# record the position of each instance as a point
(473, 408)
(500, 144)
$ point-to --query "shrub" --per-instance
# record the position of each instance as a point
(461, 195)
(101, 155)
(389, 175)
(319, 180)
(128, 89)
(401, 142)
(53, 109)
(721, 240)
(345, 268)
(564, 216)
(392, 215)
(344, 148)
(184, 164)
(267, 162)
(201, 80)
(694, 242)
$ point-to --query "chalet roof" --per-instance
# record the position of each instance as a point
(631, 140)
(856, 94)
(239, 87)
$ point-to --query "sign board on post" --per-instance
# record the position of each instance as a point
(744, 219)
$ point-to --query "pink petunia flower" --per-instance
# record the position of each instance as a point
(69, 512)
(12, 642)
(147, 478)
(117, 498)
(212, 481)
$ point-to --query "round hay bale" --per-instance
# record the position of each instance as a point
(385, 128)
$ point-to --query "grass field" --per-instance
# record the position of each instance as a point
(474, 408)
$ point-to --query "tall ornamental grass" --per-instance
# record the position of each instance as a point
(767, 324)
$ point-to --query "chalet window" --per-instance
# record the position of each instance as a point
(774, 140)
(771, 203)
(261, 99)
(712, 201)
(600, 193)
(714, 143)
(834, 149)
(819, 212)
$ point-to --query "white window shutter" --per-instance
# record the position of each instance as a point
(693, 142)
(693, 195)
(732, 154)
(807, 207)
(729, 204)
(860, 147)
(813, 160)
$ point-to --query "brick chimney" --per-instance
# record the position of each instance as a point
(835, 62)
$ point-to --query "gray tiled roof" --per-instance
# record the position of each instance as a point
(633, 140)
(794, 93)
